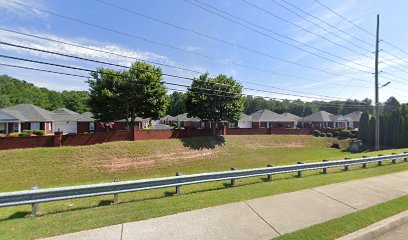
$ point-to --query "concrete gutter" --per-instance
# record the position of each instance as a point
(378, 229)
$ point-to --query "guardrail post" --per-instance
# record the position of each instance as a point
(116, 195)
(394, 160)
(325, 169)
(346, 167)
(35, 207)
(269, 175)
(300, 172)
(380, 161)
(178, 188)
(233, 181)
(405, 159)
(365, 164)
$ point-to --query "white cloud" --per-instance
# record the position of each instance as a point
(11, 8)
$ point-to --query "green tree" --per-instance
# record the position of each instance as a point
(363, 132)
(138, 92)
(391, 105)
(177, 104)
(215, 100)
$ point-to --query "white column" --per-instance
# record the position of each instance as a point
(7, 128)
(19, 127)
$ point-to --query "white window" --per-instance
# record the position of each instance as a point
(231, 125)
(35, 126)
(91, 126)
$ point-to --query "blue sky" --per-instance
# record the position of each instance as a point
(351, 58)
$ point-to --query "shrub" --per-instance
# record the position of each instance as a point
(322, 134)
(316, 133)
(24, 134)
(329, 135)
(336, 133)
(14, 134)
(39, 132)
(27, 132)
(2, 131)
(345, 133)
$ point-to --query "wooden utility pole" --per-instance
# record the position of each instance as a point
(377, 104)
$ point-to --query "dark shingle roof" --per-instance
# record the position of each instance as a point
(321, 116)
(355, 116)
(28, 113)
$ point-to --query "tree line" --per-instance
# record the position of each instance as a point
(14, 91)
(393, 125)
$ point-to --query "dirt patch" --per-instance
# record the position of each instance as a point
(120, 164)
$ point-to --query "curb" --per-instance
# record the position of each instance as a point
(378, 229)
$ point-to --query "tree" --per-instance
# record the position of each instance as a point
(177, 104)
(138, 92)
(215, 100)
(391, 105)
(363, 132)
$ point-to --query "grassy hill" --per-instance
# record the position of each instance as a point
(47, 167)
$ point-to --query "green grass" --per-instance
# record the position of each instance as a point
(134, 160)
(350, 223)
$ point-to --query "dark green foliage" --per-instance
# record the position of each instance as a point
(177, 104)
(345, 133)
(14, 91)
(336, 133)
(322, 134)
(137, 92)
(215, 99)
(24, 134)
(29, 132)
(329, 135)
(39, 132)
(364, 127)
(316, 133)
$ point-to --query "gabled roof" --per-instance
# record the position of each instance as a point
(28, 113)
(63, 114)
(184, 117)
(86, 117)
(245, 118)
(355, 116)
(321, 116)
(291, 116)
(168, 118)
(269, 116)
(340, 118)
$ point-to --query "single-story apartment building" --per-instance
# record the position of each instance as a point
(268, 119)
(323, 119)
(184, 121)
(25, 117)
(245, 121)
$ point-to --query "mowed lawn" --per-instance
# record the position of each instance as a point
(50, 167)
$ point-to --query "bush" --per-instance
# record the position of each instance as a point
(39, 132)
(27, 132)
(336, 133)
(329, 135)
(14, 134)
(316, 133)
(345, 133)
(24, 134)
(322, 134)
(2, 131)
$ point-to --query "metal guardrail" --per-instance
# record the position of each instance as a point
(36, 196)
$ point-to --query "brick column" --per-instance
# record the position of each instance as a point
(224, 130)
(58, 139)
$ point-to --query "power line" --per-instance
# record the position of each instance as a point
(189, 87)
(184, 50)
(325, 22)
(126, 56)
(359, 27)
(300, 27)
(192, 79)
(231, 43)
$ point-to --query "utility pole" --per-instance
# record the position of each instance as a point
(377, 104)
